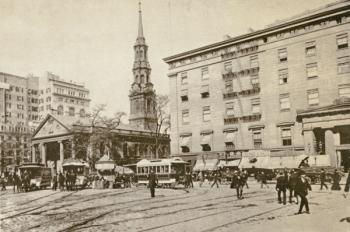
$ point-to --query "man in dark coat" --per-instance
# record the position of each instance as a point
(263, 180)
(293, 177)
(61, 181)
(152, 182)
(323, 179)
(54, 182)
(216, 179)
(281, 187)
(301, 188)
(237, 183)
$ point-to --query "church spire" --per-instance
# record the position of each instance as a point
(140, 34)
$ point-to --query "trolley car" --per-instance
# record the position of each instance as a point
(168, 171)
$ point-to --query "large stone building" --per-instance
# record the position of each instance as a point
(60, 137)
(272, 92)
(60, 97)
(19, 103)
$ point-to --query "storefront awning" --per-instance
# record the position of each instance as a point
(256, 162)
(199, 166)
(185, 141)
(230, 137)
(211, 164)
(230, 163)
(205, 140)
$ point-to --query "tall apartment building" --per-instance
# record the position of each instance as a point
(60, 97)
(279, 91)
(19, 103)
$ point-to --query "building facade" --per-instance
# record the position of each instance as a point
(243, 95)
(60, 97)
(19, 104)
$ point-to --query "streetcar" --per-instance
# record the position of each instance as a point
(36, 176)
(80, 168)
(168, 171)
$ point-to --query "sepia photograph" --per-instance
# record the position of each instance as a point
(174, 115)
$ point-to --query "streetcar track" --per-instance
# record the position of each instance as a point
(176, 211)
(125, 202)
(35, 208)
(27, 202)
(84, 222)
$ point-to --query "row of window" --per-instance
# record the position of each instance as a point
(257, 139)
(343, 63)
(70, 92)
(284, 101)
(310, 48)
(71, 111)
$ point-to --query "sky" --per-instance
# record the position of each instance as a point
(91, 41)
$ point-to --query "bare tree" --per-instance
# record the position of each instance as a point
(96, 135)
(161, 123)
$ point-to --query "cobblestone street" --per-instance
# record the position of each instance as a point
(198, 209)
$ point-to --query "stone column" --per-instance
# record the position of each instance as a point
(309, 139)
(330, 147)
(61, 153)
(73, 150)
(33, 154)
(43, 153)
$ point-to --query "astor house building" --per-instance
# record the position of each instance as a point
(274, 93)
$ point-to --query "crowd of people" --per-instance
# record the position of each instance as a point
(293, 181)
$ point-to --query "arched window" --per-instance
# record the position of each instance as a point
(137, 79)
(82, 113)
(60, 110)
(142, 79)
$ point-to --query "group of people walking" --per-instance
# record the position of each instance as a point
(64, 181)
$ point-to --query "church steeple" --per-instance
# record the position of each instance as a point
(140, 34)
(142, 94)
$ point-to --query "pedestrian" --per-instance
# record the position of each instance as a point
(292, 180)
(245, 178)
(54, 182)
(281, 187)
(152, 182)
(323, 179)
(61, 181)
(263, 180)
(347, 185)
(236, 183)
(216, 179)
(201, 178)
(190, 180)
(336, 180)
(301, 188)
(3, 182)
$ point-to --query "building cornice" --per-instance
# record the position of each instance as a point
(263, 32)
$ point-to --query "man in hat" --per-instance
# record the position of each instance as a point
(301, 188)
(152, 182)
(281, 187)
(237, 183)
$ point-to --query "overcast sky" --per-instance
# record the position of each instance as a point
(91, 41)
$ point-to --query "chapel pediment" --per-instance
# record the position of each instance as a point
(51, 127)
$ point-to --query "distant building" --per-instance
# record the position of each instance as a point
(60, 97)
(19, 103)
(269, 93)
